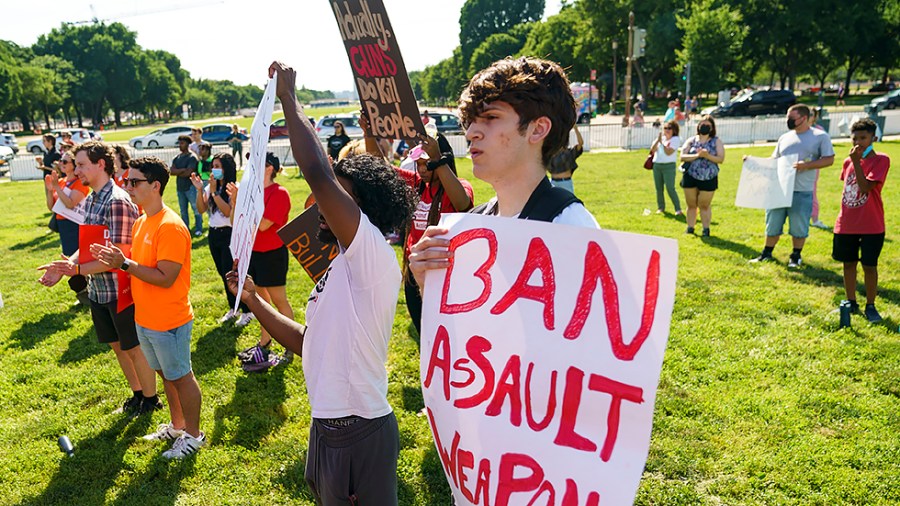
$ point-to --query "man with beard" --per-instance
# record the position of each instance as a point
(353, 440)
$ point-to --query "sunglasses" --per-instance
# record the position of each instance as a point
(134, 182)
(65, 162)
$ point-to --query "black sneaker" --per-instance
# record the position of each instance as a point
(148, 406)
(871, 313)
(130, 406)
(705, 232)
(795, 262)
(689, 230)
(762, 258)
(854, 306)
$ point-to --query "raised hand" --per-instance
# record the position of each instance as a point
(196, 181)
(108, 255)
(286, 84)
(249, 291)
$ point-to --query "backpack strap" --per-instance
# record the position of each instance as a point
(545, 203)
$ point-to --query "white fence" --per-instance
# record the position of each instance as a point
(731, 130)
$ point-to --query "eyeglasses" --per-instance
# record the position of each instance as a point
(134, 182)
(65, 162)
(667, 128)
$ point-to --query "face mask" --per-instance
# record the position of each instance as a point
(791, 123)
(218, 173)
(868, 150)
(704, 129)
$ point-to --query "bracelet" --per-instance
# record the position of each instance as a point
(78, 269)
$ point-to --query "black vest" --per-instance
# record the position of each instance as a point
(545, 203)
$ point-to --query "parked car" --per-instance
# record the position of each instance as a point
(278, 129)
(79, 135)
(757, 103)
(9, 140)
(6, 156)
(325, 125)
(447, 123)
(889, 101)
(162, 138)
(218, 133)
(881, 87)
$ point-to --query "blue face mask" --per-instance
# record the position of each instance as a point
(218, 173)
(868, 150)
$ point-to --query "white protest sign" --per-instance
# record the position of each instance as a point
(76, 214)
(766, 183)
(248, 209)
(541, 350)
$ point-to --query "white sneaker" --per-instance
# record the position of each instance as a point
(165, 432)
(230, 315)
(184, 446)
(244, 319)
(819, 224)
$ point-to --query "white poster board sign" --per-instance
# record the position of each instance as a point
(541, 351)
(76, 214)
(248, 209)
(766, 183)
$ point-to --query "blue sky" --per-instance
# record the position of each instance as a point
(237, 39)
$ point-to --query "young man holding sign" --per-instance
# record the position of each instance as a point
(518, 115)
(353, 440)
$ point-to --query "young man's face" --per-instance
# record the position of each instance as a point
(497, 146)
(862, 138)
(139, 188)
(183, 146)
(87, 171)
(49, 144)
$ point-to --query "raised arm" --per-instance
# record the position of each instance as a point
(339, 209)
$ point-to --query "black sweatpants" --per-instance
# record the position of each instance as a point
(219, 239)
(354, 465)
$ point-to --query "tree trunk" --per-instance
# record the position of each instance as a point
(47, 117)
(118, 114)
(851, 68)
(78, 113)
(26, 123)
(641, 78)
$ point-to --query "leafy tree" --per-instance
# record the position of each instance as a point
(479, 19)
(712, 43)
(565, 38)
(495, 47)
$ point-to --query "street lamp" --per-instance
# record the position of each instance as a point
(612, 104)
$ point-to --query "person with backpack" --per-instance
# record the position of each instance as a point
(518, 113)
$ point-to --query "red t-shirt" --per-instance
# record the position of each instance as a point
(863, 213)
(277, 207)
(420, 217)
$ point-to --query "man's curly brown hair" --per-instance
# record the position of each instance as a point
(534, 88)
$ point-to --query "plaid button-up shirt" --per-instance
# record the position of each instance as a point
(111, 206)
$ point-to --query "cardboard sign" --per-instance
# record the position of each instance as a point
(248, 209)
(76, 214)
(300, 237)
(99, 234)
(541, 351)
(766, 183)
(381, 78)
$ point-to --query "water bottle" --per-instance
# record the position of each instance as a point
(845, 313)
(66, 446)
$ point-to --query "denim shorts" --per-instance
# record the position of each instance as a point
(168, 351)
(798, 213)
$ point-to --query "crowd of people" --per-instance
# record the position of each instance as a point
(518, 115)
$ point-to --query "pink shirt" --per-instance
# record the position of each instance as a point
(863, 213)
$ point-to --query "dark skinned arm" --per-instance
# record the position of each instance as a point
(337, 207)
(283, 329)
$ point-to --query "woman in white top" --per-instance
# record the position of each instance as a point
(215, 199)
(665, 156)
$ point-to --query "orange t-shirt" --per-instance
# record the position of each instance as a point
(75, 186)
(162, 236)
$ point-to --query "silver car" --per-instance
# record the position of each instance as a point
(9, 140)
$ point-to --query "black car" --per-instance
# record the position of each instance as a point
(446, 123)
(757, 103)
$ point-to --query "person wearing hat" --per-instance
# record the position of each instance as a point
(434, 178)
(269, 261)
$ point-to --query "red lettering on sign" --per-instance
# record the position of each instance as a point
(597, 266)
(440, 359)
(476, 347)
(571, 496)
(449, 460)
(460, 365)
(538, 257)
(464, 460)
(566, 435)
(481, 273)
(369, 60)
(483, 484)
(551, 402)
(619, 392)
(508, 484)
(508, 386)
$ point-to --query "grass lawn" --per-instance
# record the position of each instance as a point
(762, 400)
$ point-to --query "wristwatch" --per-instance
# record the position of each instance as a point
(125, 265)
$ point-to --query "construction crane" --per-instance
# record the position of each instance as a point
(95, 19)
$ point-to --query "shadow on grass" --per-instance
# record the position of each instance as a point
(411, 399)
(828, 277)
(292, 479)
(38, 243)
(742, 250)
(160, 485)
(30, 334)
(82, 348)
(202, 242)
(256, 409)
(214, 349)
(86, 477)
(437, 490)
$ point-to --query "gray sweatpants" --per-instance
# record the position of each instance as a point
(354, 465)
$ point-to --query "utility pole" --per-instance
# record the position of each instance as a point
(687, 80)
(629, 59)
(615, 86)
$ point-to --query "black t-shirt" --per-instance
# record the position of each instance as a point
(50, 157)
(185, 161)
(564, 160)
(336, 143)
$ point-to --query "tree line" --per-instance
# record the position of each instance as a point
(729, 43)
(81, 73)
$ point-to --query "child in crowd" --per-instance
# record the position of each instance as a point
(859, 231)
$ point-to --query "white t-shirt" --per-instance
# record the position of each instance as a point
(349, 318)
(216, 218)
(661, 156)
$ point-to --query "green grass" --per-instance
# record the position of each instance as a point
(762, 399)
(127, 132)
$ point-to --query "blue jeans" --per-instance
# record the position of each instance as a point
(168, 351)
(189, 197)
(798, 214)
